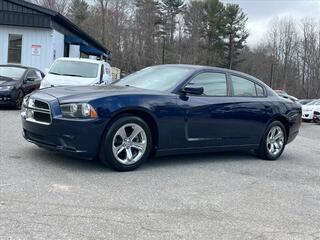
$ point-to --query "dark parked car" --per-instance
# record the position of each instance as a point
(167, 109)
(17, 81)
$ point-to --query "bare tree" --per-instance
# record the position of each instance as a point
(60, 6)
(103, 9)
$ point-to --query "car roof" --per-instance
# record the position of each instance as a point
(81, 60)
(19, 66)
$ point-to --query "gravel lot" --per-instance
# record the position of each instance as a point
(45, 195)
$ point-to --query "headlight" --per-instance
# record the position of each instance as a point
(25, 101)
(7, 88)
(78, 110)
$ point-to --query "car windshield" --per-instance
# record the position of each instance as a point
(161, 78)
(75, 69)
(315, 102)
(14, 73)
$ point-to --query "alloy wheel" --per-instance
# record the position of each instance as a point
(129, 144)
(275, 140)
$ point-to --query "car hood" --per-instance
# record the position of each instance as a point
(310, 107)
(60, 80)
(4, 81)
(89, 93)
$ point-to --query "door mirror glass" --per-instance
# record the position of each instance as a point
(32, 76)
(30, 79)
(193, 90)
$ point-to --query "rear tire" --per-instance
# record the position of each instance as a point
(273, 142)
(126, 144)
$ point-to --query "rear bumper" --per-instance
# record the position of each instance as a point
(77, 138)
(294, 126)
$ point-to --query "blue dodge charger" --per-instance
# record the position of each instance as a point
(166, 109)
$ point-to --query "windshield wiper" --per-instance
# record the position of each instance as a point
(54, 73)
(72, 75)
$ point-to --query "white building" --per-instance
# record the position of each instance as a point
(34, 36)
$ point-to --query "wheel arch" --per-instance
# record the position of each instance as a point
(284, 121)
(142, 113)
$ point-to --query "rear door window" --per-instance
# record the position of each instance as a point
(245, 88)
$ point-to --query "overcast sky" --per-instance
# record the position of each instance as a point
(260, 12)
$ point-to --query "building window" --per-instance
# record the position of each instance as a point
(14, 50)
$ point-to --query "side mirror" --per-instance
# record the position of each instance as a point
(46, 71)
(193, 90)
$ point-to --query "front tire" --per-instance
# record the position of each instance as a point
(273, 142)
(126, 144)
(19, 100)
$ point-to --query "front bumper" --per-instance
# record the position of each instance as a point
(78, 138)
(316, 118)
(307, 115)
(7, 98)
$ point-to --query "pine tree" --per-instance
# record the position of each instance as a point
(78, 11)
(170, 10)
(215, 30)
(236, 34)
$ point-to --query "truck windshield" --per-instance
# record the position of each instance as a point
(75, 69)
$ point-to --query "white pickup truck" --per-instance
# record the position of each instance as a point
(77, 72)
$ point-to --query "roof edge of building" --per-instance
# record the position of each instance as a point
(59, 18)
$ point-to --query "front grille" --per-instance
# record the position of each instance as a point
(41, 105)
(42, 117)
(38, 111)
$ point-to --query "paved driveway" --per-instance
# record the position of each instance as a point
(45, 195)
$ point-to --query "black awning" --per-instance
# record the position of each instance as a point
(91, 50)
(74, 40)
